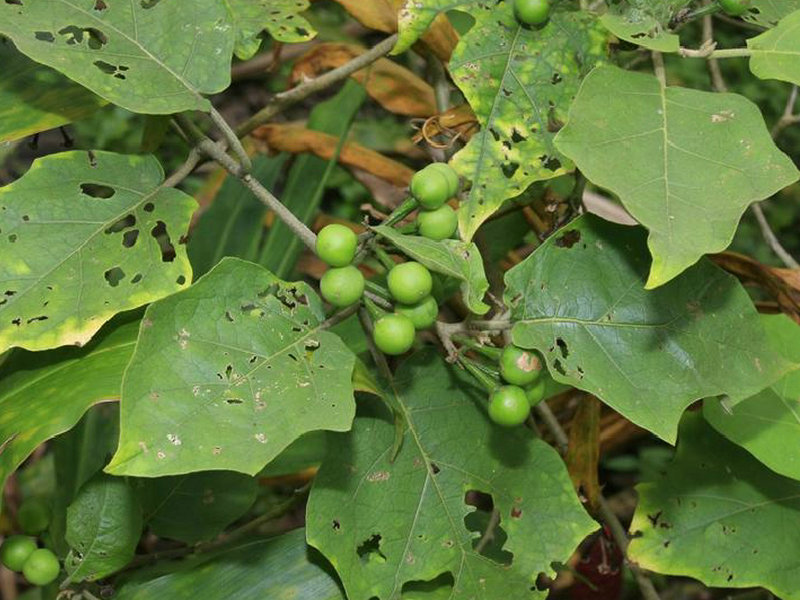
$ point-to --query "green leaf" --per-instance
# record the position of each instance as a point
(454, 258)
(149, 56)
(520, 82)
(85, 236)
(104, 524)
(384, 521)
(279, 567)
(280, 17)
(767, 13)
(195, 507)
(720, 516)
(233, 224)
(768, 424)
(414, 19)
(641, 28)
(229, 372)
(775, 54)
(579, 300)
(44, 394)
(305, 452)
(685, 163)
(34, 98)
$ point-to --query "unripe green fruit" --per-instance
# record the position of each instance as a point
(450, 174)
(423, 314)
(735, 8)
(535, 391)
(409, 282)
(532, 12)
(342, 286)
(336, 245)
(508, 406)
(430, 188)
(438, 224)
(34, 516)
(16, 550)
(394, 334)
(519, 366)
(41, 567)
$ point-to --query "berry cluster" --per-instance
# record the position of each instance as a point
(21, 553)
(342, 284)
(523, 372)
(432, 187)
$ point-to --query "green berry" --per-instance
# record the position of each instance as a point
(423, 314)
(531, 12)
(342, 286)
(41, 567)
(735, 8)
(16, 550)
(34, 516)
(519, 366)
(409, 282)
(508, 406)
(438, 224)
(336, 245)
(450, 174)
(394, 334)
(430, 188)
(535, 391)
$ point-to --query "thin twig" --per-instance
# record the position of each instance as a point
(772, 239)
(488, 533)
(339, 316)
(788, 117)
(705, 52)
(714, 71)
(184, 170)
(304, 90)
(232, 139)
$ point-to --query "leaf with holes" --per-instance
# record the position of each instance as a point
(416, 16)
(768, 13)
(195, 507)
(104, 524)
(775, 54)
(519, 82)
(720, 516)
(35, 98)
(579, 300)
(84, 236)
(454, 258)
(148, 56)
(645, 22)
(44, 394)
(229, 372)
(280, 18)
(384, 521)
(768, 424)
(685, 163)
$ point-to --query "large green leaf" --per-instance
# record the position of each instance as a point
(685, 163)
(769, 12)
(454, 258)
(85, 236)
(645, 22)
(233, 224)
(195, 507)
(775, 54)
(385, 520)
(148, 56)
(416, 16)
(281, 567)
(280, 17)
(44, 394)
(520, 82)
(720, 516)
(227, 373)
(35, 98)
(768, 424)
(104, 524)
(579, 300)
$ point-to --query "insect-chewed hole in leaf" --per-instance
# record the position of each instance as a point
(489, 535)
(100, 5)
(556, 78)
(15, 2)
(12, 237)
(180, 280)
(509, 169)
(35, 319)
(159, 232)
(113, 276)
(117, 71)
(74, 35)
(97, 190)
(551, 163)
(559, 367)
(129, 238)
(437, 586)
(370, 550)
(44, 36)
(568, 239)
(434, 469)
(149, 207)
(136, 278)
(147, 4)
(562, 346)
(336, 525)
(292, 356)
(124, 223)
